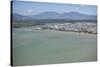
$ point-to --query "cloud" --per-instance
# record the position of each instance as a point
(28, 11)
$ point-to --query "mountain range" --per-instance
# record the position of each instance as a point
(55, 15)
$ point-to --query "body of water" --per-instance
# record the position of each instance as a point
(35, 47)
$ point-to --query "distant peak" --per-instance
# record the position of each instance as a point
(73, 12)
(50, 12)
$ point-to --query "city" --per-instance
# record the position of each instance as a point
(73, 27)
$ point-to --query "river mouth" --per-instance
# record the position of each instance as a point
(36, 47)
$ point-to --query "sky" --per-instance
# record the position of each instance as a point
(32, 8)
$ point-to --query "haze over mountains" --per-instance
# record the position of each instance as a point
(55, 15)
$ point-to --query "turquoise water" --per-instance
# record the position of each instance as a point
(31, 47)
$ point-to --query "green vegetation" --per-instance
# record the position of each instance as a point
(18, 25)
(35, 22)
(22, 23)
(61, 20)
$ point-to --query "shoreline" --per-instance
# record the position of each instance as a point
(57, 31)
(70, 32)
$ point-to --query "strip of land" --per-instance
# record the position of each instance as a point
(70, 27)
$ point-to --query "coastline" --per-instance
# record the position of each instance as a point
(68, 32)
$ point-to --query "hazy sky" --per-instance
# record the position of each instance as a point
(31, 8)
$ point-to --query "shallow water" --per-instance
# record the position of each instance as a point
(31, 47)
